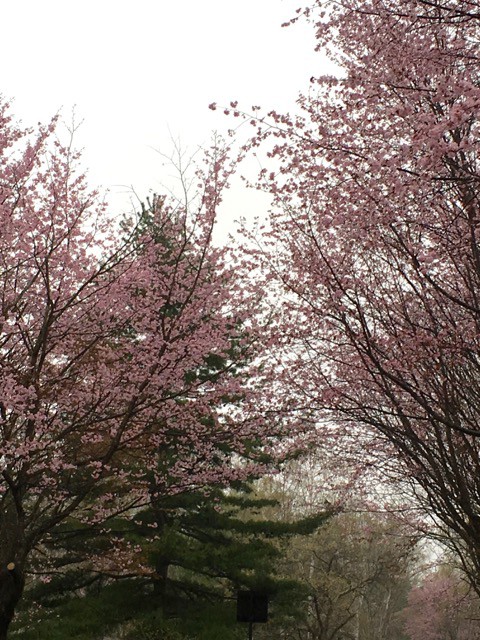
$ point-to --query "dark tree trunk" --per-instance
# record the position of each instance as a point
(162, 564)
(12, 560)
(160, 580)
(11, 588)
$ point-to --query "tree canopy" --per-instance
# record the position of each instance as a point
(127, 352)
(373, 237)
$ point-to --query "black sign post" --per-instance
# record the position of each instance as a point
(252, 607)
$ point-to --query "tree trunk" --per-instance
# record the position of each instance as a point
(11, 588)
(12, 561)
(160, 580)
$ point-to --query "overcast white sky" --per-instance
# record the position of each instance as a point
(135, 70)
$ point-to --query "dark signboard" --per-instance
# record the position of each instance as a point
(252, 606)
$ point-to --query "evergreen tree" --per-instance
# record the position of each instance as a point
(194, 551)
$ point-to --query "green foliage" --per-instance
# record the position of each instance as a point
(90, 617)
(198, 621)
(344, 576)
(201, 547)
(128, 610)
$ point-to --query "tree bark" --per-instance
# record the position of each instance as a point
(12, 560)
(11, 587)
(160, 580)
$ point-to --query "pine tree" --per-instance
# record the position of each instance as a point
(194, 550)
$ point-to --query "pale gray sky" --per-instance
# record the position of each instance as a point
(136, 70)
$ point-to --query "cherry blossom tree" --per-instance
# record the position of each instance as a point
(124, 352)
(442, 608)
(374, 237)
